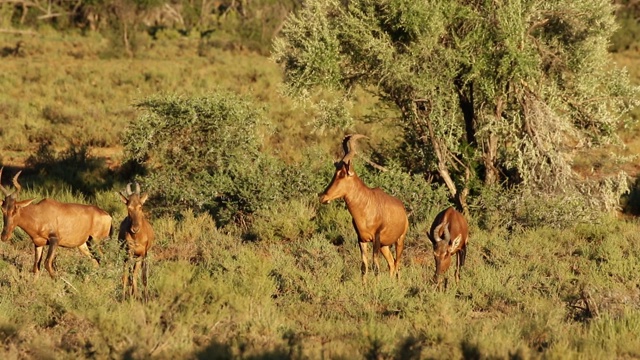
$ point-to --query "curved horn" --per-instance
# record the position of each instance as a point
(436, 232)
(15, 182)
(137, 188)
(4, 190)
(348, 145)
(129, 192)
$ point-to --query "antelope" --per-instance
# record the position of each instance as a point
(136, 237)
(447, 224)
(377, 217)
(53, 223)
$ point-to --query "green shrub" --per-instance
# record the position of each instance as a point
(206, 153)
(518, 209)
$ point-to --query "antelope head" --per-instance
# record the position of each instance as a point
(443, 248)
(134, 202)
(344, 176)
(11, 207)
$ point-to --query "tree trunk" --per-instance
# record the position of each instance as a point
(460, 198)
(490, 150)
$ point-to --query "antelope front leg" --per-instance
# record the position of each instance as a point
(125, 278)
(457, 273)
(364, 247)
(145, 279)
(38, 259)
(134, 276)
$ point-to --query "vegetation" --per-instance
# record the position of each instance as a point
(501, 93)
(247, 263)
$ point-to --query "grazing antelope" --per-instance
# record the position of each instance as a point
(448, 224)
(53, 223)
(377, 217)
(136, 236)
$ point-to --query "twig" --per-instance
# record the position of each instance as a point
(68, 283)
(376, 166)
(22, 32)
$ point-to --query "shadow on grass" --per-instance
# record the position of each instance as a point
(220, 351)
(74, 168)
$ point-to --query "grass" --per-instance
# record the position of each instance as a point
(290, 291)
(522, 295)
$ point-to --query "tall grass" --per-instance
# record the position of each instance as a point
(541, 293)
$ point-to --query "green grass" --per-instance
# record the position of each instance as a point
(520, 295)
(293, 289)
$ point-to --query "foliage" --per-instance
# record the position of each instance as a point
(502, 92)
(205, 153)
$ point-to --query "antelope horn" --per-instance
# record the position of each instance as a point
(15, 182)
(137, 188)
(4, 190)
(447, 235)
(129, 192)
(349, 146)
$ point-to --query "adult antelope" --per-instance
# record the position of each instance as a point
(53, 223)
(136, 237)
(448, 224)
(377, 217)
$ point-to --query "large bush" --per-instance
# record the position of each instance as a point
(206, 153)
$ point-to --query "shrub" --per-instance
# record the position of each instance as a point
(206, 153)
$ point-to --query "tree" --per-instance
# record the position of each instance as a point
(499, 91)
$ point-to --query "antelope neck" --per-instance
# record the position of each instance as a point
(359, 196)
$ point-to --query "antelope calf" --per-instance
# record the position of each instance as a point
(53, 223)
(448, 224)
(377, 217)
(136, 237)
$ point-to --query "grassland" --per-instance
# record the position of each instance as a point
(539, 293)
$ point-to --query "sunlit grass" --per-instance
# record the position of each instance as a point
(292, 289)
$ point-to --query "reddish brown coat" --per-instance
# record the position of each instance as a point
(449, 235)
(377, 216)
(136, 237)
(53, 223)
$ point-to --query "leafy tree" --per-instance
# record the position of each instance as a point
(498, 91)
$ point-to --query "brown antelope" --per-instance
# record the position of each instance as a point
(53, 223)
(377, 217)
(448, 224)
(136, 237)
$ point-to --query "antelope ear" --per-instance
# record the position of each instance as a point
(455, 243)
(24, 203)
(144, 197)
(123, 198)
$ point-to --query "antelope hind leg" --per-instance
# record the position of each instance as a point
(51, 253)
(386, 252)
(365, 264)
(85, 250)
(376, 252)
